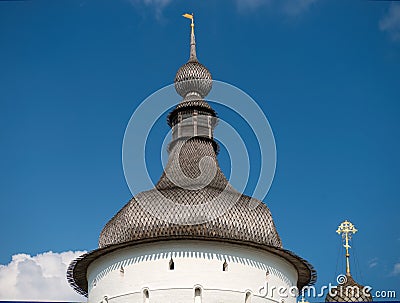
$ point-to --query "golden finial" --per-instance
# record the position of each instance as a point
(347, 229)
(191, 17)
(193, 56)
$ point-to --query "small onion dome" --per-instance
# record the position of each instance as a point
(193, 77)
(349, 291)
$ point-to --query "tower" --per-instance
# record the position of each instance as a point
(193, 237)
(348, 290)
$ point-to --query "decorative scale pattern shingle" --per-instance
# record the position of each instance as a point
(350, 291)
(170, 210)
(193, 77)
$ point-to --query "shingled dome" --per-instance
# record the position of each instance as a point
(193, 199)
(349, 291)
(193, 77)
(236, 216)
(187, 204)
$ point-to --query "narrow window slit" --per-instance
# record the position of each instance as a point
(248, 297)
(146, 296)
(225, 266)
(197, 295)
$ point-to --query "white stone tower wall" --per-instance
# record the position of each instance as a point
(133, 273)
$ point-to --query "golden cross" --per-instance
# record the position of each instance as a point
(347, 229)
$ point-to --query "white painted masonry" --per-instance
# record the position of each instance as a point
(142, 273)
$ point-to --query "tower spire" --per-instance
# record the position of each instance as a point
(347, 229)
(193, 116)
(193, 56)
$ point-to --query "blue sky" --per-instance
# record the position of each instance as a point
(326, 73)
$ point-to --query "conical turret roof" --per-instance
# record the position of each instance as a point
(349, 291)
(192, 199)
(186, 200)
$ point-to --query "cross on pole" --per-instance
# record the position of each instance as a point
(347, 229)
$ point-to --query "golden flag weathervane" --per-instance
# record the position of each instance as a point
(191, 17)
(347, 229)
(193, 56)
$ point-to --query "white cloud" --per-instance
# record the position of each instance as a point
(38, 278)
(296, 7)
(396, 269)
(287, 7)
(245, 5)
(391, 21)
(373, 262)
(156, 5)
